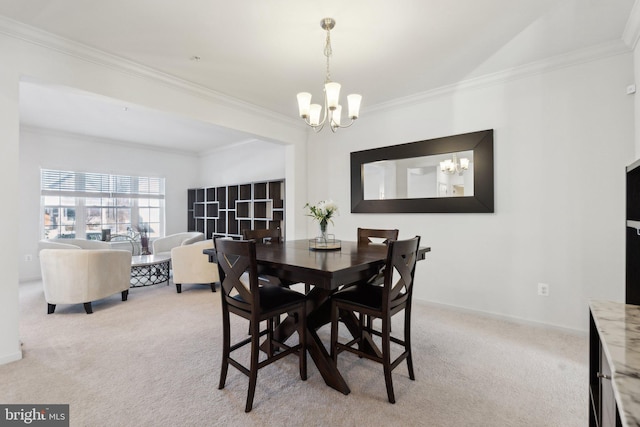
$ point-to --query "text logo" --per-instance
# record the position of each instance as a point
(34, 415)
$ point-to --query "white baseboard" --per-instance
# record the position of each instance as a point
(11, 357)
(522, 321)
(29, 279)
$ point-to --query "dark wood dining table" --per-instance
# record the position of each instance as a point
(326, 271)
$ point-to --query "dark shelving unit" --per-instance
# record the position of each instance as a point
(228, 210)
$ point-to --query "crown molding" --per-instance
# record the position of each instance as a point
(101, 140)
(631, 33)
(228, 147)
(87, 53)
(577, 57)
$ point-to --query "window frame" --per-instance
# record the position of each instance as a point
(88, 185)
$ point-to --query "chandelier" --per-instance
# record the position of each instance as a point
(453, 165)
(332, 109)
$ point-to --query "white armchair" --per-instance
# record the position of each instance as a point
(190, 265)
(76, 276)
(163, 245)
(72, 244)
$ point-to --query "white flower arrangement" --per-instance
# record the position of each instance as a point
(323, 212)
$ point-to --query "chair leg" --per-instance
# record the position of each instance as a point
(51, 308)
(363, 320)
(179, 287)
(333, 347)
(226, 345)
(125, 295)
(302, 332)
(270, 327)
(87, 307)
(253, 370)
(407, 341)
(386, 358)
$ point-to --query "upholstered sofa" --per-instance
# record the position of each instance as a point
(78, 276)
(163, 245)
(190, 265)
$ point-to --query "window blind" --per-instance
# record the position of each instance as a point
(85, 184)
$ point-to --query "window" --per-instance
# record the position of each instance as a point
(81, 205)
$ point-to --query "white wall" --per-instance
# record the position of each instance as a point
(248, 162)
(562, 140)
(49, 150)
(9, 136)
(258, 161)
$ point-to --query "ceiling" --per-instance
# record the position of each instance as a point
(264, 52)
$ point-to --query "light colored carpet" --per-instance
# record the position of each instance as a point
(154, 360)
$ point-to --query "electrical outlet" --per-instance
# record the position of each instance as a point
(543, 289)
(28, 257)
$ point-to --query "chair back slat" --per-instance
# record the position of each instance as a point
(402, 256)
(238, 269)
(366, 234)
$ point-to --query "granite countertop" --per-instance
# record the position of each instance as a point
(619, 327)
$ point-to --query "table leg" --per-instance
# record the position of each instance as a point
(318, 307)
(322, 359)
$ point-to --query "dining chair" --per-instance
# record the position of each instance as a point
(243, 296)
(263, 235)
(381, 302)
(270, 236)
(366, 234)
(364, 238)
(266, 236)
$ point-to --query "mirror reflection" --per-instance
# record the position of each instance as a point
(442, 175)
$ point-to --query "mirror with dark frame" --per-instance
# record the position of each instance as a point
(450, 174)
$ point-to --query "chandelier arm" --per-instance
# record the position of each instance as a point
(324, 116)
(341, 126)
(317, 127)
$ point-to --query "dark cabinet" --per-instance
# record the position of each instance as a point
(603, 410)
(633, 234)
(228, 210)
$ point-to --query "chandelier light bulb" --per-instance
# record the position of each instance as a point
(314, 114)
(335, 116)
(304, 102)
(332, 90)
(445, 166)
(353, 101)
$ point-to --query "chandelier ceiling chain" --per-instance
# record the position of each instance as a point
(327, 51)
(310, 113)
